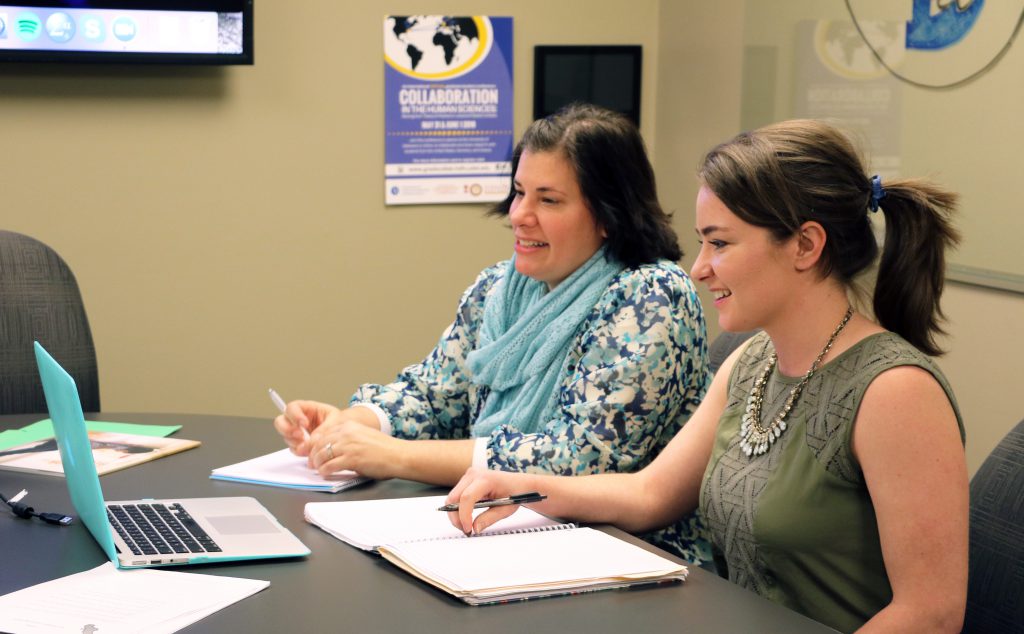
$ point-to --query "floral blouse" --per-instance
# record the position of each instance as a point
(637, 370)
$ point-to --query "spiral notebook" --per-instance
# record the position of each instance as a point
(524, 556)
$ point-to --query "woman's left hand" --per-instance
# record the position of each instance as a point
(348, 444)
(478, 484)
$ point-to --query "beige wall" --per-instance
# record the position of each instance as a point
(227, 226)
(984, 363)
(228, 230)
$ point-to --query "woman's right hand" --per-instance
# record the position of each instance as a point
(482, 484)
(299, 419)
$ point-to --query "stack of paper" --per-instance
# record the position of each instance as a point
(519, 566)
(111, 601)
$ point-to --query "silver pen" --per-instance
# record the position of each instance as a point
(274, 396)
(521, 498)
(279, 402)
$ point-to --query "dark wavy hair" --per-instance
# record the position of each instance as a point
(788, 173)
(615, 178)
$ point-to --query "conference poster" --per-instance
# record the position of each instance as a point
(447, 109)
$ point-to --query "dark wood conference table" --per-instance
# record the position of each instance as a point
(338, 587)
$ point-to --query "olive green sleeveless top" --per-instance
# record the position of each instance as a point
(796, 524)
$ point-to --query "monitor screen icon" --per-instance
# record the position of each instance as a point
(28, 26)
(124, 29)
(60, 27)
(91, 28)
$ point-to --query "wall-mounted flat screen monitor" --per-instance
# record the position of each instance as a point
(606, 76)
(127, 31)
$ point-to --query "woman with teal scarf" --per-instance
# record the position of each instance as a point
(583, 353)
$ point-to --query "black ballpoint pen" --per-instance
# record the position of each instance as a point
(522, 498)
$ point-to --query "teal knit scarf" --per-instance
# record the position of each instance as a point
(525, 339)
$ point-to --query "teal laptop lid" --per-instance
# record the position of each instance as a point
(75, 449)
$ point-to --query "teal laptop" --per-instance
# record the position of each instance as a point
(142, 533)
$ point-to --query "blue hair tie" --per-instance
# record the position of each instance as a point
(877, 192)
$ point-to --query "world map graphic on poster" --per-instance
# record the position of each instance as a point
(842, 49)
(435, 46)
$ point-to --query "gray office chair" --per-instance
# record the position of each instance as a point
(995, 586)
(40, 300)
(724, 344)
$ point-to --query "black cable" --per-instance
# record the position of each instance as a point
(978, 73)
(25, 511)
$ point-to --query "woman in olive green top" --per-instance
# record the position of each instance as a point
(827, 457)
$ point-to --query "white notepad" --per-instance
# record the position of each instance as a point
(285, 469)
(524, 556)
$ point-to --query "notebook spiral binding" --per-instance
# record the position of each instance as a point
(512, 531)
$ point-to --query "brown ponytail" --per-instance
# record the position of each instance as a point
(911, 272)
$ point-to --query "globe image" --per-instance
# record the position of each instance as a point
(435, 46)
(843, 51)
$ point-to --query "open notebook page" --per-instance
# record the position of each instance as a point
(367, 524)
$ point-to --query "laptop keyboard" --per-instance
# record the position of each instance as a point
(151, 529)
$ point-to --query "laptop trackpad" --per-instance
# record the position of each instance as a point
(242, 524)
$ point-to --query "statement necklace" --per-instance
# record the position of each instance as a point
(756, 439)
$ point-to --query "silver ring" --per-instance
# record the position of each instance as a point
(330, 451)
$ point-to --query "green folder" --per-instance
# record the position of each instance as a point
(43, 429)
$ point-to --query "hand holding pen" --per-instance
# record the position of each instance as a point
(331, 438)
(499, 492)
